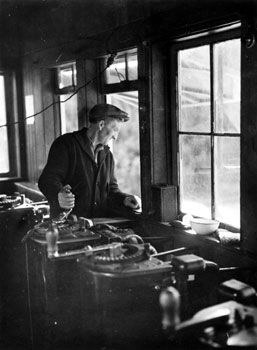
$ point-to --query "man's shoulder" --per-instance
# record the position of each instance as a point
(70, 136)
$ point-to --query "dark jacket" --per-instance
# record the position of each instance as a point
(71, 161)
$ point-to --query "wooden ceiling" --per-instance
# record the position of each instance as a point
(38, 24)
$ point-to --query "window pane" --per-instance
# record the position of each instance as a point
(125, 67)
(116, 72)
(194, 89)
(227, 184)
(195, 175)
(69, 113)
(132, 66)
(4, 158)
(126, 148)
(227, 86)
(67, 76)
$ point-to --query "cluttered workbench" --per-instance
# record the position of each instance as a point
(102, 283)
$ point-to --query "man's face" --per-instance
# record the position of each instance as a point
(109, 131)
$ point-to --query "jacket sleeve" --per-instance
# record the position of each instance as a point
(116, 195)
(51, 181)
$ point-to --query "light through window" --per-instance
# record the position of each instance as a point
(126, 148)
(4, 158)
(66, 84)
(68, 110)
(209, 131)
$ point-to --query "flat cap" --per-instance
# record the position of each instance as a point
(104, 110)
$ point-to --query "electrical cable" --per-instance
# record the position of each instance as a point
(110, 61)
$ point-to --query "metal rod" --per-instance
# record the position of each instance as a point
(173, 251)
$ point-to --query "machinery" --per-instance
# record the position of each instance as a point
(100, 285)
(17, 215)
(53, 273)
(231, 324)
(120, 285)
(227, 325)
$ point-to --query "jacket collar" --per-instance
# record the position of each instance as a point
(85, 143)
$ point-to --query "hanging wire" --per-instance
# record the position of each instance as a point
(110, 61)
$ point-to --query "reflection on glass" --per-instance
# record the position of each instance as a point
(4, 158)
(126, 148)
(194, 89)
(195, 175)
(227, 85)
(69, 113)
(227, 184)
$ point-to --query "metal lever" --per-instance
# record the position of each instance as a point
(114, 248)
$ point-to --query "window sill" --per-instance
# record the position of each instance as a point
(191, 237)
(215, 237)
(9, 179)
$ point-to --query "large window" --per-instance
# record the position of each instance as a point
(208, 129)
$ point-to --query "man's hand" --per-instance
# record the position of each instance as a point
(66, 198)
(133, 202)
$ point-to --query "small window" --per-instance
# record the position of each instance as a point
(4, 146)
(66, 80)
(69, 113)
(208, 130)
(9, 130)
(123, 69)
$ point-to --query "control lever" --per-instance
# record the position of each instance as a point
(173, 251)
(113, 248)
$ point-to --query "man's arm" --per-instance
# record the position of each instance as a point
(121, 198)
(52, 179)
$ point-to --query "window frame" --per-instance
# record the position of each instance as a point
(12, 123)
(187, 42)
(123, 86)
(67, 89)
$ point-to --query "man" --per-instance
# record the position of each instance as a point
(79, 174)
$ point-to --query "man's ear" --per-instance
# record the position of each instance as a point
(101, 124)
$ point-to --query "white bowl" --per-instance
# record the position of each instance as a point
(204, 226)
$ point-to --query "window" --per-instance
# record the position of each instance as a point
(120, 88)
(124, 68)
(208, 129)
(9, 136)
(66, 81)
(4, 160)
(69, 114)
(126, 149)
